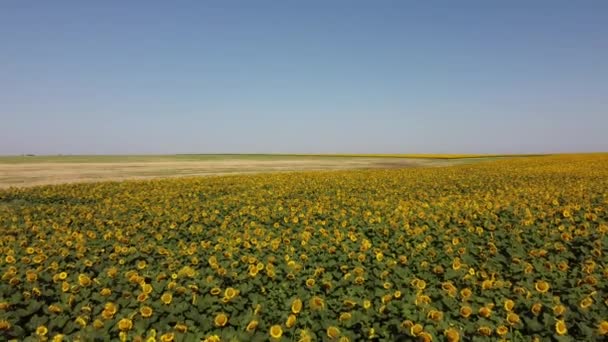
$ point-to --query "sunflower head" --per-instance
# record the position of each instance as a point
(296, 306)
(276, 331)
(560, 327)
(220, 320)
(452, 335)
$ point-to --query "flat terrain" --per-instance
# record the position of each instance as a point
(40, 170)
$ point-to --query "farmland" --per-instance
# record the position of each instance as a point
(41, 170)
(503, 249)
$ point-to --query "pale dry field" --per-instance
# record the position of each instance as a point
(33, 173)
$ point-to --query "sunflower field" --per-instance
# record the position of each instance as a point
(512, 249)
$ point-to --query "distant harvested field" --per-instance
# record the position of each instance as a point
(40, 170)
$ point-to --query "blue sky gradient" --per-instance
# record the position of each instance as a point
(79, 77)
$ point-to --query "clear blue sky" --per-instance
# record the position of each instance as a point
(82, 77)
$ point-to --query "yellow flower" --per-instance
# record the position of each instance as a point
(452, 335)
(416, 329)
(215, 291)
(105, 292)
(252, 326)
(333, 332)
(485, 312)
(536, 309)
(230, 293)
(435, 315)
(5, 325)
(98, 324)
(41, 330)
(166, 298)
(509, 304)
(502, 330)
(220, 320)
(84, 280)
(542, 286)
(345, 316)
(512, 318)
(466, 311)
(310, 282)
(425, 337)
(586, 302)
(146, 311)
(111, 307)
(317, 303)
(296, 306)
(147, 288)
(559, 310)
(58, 338)
(466, 293)
(560, 327)
(182, 328)
(602, 328)
(125, 324)
(168, 337)
(485, 331)
(291, 321)
(276, 331)
(366, 304)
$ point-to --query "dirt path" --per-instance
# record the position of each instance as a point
(30, 174)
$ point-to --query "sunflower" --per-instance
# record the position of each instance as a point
(296, 306)
(55, 308)
(542, 286)
(110, 308)
(180, 327)
(452, 335)
(425, 337)
(509, 305)
(146, 311)
(317, 303)
(6, 325)
(485, 312)
(502, 330)
(602, 328)
(345, 316)
(146, 288)
(220, 320)
(586, 302)
(435, 315)
(42, 330)
(125, 324)
(251, 326)
(291, 321)
(416, 329)
(512, 318)
(310, 282)
(230, 293)
(466, 311)
(106, 292)
(98, 324)
(215, 291)
(367, 304)
(560, 327)
(559, 310)
(466, 293)
(170, 337)
(276, 331)
(84, 280)
(333, 332)
(166, 298)
(484, 330)
(536, 309)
